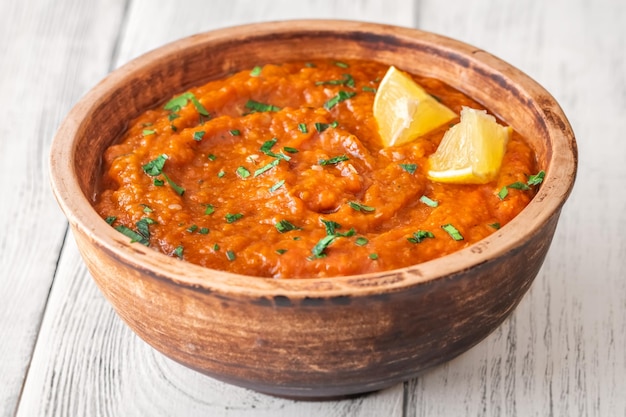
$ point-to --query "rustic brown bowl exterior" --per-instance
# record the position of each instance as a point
(326, 337)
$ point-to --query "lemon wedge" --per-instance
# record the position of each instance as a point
(471, 151)
(404, 110)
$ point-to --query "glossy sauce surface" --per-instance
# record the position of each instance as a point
(278, 171)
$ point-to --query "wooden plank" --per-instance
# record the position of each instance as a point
(86, 361)
(561, 353)
(51, 52)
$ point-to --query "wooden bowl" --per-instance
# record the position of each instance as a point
(326, 337)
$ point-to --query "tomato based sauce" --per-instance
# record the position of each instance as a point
(279, 171)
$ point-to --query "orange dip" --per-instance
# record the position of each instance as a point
(272, 172)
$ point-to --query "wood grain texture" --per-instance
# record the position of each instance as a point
(87, 362)
(51, 53)
(560, 354)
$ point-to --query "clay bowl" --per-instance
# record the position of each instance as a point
(326, 337)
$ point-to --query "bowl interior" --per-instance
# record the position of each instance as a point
(101, 116)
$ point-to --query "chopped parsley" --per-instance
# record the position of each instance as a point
(289, 149)
(333, 161)
(134, 236)
(235, 132)
(277, 186)
(221, 174)
(148, 132)
(346, 80)
(341, 64)
(211, 157)
(243, 172)
(284, 226)
(537, 178)
(230, 255)
(281, 251)
(231, 218)
(110, 220)
(429, 202)
(368, 89)
(320, 127)
(495, 225)
(256, 71)
(146, 208)
(197, 136)
(181, 101)
(155, 167)
(302, 127)
(192, 228)
(319, 249)
(204, 231)
(420, 235)
(256, 106)
(179, 190)
(361, 241)
(452, 231)
(341, 96)
(179, 251)
(373, 256)
(410, 168)
(266, 167)
(330, 226)
(361, 207)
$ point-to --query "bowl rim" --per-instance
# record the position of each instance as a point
(560, 175)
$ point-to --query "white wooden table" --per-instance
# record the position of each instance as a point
(64, 352)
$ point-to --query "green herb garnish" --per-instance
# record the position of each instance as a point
(452, 231)
(155, 167)
(420, 235)
(204, 231)
(284, 226)
(361, 241)
(373, 256)
(211, 157)
(266, 167)
(333, 161)
(277, 186)
(302, 127)
(256, 71)
(368, 89)
(495, 225)
(410, 168)
(230, 255)
(181, 101)
(192, 228)
(347, 80)
(110, 220)
(148, 132)
(281, 251)
(429, 202)
(256, 106)
(231, 218)
(134, 236)
(341, 96)
(197, 136)
(290, 149)
(360, 207)
(209, 209)
(341, 64)
(537, 178)
(243, 172)
(235, 132)
(320, 127)
(179, 251)
(320, 247)
(221, 174)
(179, 190)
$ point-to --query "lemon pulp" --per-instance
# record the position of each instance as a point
(471, 151)
(404, 110)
